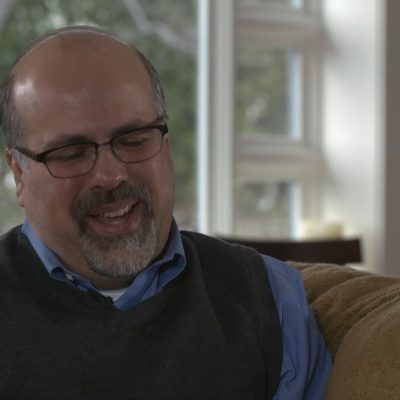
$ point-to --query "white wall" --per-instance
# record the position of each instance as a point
(353, 83)
(391, 215)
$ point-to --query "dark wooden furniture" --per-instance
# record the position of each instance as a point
(335, 251)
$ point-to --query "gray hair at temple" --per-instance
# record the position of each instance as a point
(11, 126)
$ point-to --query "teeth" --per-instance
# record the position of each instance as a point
(118, 213)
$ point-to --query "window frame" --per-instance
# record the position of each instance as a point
(264, 159)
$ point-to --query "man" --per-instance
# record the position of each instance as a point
(101, 296)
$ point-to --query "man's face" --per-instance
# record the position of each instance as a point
(115, 219)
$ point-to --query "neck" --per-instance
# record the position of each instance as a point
(106, 283)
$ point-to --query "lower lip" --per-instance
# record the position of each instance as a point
(118, 226)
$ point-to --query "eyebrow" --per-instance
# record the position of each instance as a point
(131, 126)
(65, 139)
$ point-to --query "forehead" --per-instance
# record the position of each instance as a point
(80, 56)
(83, 76)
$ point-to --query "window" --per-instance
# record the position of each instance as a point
(267, 91)
(263, 141)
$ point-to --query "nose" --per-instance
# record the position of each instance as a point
(108, 172)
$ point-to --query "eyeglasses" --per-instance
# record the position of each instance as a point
(73, 160)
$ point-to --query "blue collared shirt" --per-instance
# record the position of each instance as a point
(306, 361)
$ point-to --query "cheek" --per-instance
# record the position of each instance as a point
(162, 193)
(158, 176)
(48, 199)
(165, 183)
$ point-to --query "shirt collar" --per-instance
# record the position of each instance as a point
(148, 283)
(49, 259)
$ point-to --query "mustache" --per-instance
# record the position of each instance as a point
(88, 204)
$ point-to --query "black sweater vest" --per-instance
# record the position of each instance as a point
(212, 333)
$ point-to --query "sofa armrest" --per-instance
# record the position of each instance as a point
(359, 315)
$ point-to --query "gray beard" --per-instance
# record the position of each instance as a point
(123, 256)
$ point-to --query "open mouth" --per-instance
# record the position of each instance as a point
(120, 218)
(114, 216)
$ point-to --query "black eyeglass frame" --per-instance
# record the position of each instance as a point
(42, 157)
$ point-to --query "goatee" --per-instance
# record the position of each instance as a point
(122, 256)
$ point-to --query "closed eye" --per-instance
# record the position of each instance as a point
(133, 141)
(68, 154)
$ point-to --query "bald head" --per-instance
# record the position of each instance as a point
(70, 56)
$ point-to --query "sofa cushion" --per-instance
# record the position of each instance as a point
(359, 315)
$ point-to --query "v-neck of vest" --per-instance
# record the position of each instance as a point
(60, 298)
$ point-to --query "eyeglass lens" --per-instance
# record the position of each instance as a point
(79, 159)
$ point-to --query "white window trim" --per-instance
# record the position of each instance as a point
(262, 159)
(215, 151)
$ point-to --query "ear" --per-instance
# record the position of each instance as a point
(18, 173)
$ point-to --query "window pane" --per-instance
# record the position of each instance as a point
(162, 34)
(267, 91)
(264, 210)
(285, 3)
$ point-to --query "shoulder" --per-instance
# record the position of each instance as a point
(10, 251)
(286, 283)
(237, 271)
(282, 276)
(289, 294)
(281, 270)
(8, 242)
(306, 360)
(14, 246)
(219, 256)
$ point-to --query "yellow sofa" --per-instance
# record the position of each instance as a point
(359, 316)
